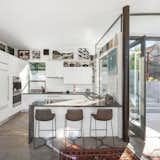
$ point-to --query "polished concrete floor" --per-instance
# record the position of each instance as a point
(14, 142)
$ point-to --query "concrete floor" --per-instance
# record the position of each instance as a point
(14, 142)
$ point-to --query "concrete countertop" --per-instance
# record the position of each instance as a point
(76, 103)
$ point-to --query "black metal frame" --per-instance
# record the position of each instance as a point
(142, 40)
(140, 131)
(125, 52)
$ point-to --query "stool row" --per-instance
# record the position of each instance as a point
(73, 115)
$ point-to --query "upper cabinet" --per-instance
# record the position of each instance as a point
(3, 57)
(78, 75)
(54, 69)
(16, 65)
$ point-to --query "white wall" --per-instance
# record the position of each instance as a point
(14, 67)
(144, 25)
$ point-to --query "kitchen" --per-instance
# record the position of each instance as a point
(76, 86)
(64, 82)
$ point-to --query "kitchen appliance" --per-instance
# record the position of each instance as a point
(109, 99)
(16, 91)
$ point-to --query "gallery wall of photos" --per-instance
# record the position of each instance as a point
(83, 54)
(6, 48)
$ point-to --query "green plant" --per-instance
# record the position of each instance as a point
(150, 78)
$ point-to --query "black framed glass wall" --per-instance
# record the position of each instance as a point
(152, 87)
(137, 85)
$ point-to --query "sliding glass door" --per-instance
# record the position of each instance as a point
(137, 88)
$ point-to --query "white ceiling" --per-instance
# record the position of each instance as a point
(62, 24)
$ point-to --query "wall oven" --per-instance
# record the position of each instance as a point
(16, 91)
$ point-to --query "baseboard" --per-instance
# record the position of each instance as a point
(9, 118)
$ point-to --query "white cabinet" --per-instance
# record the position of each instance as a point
(4, 57)
(16, 65)
(54, 85)
(4, 77)
(54, 68)
(77, 75)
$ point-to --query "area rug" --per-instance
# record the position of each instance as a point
(98, 154)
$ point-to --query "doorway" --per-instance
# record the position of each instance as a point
(137, 88)
(144, 94)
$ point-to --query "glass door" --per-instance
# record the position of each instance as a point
(137, 88)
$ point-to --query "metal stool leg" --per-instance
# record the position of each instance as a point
(81, 128)
(38, 128)
(55, 127)
(106, 128)
(95, 129)
(65, 125)
(35, 128)
(82, 134)
(112, 133)
(96, 133)
(52, 128)
(90, 130)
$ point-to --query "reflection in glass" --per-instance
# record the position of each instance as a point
(135, 84)
(108, 68)
(103, 75)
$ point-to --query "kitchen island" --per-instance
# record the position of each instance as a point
(89, 106)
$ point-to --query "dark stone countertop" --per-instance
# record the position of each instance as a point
(90, 102)
(63, 93)
(69, 103)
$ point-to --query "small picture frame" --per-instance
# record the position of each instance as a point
(2, 46)
(67, 55)
(24, 54)
(56, 55)
(83, 53)
(46, 52)
(36, 54)
(10, 50)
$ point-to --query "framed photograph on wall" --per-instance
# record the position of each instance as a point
(24, 54)
(36, 54)
(67, 55)
(46, 52)
(56, 55)
(2, 46)
(10, 50)
(83, 53)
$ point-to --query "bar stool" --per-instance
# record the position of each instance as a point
(102, 115)
(74, 115)
(45, 115)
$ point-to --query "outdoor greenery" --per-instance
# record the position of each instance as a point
(132, 57)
